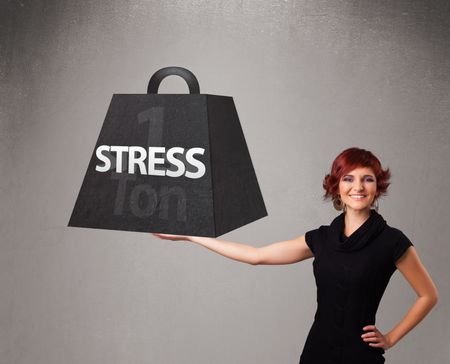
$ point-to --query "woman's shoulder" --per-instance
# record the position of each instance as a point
(393, 233)
(397, 240)
(322, 229)
(317, 234)
(314, 238)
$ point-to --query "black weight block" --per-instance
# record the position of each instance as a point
(170, 163)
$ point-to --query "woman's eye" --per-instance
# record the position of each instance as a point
(370, 179)
(347, 179)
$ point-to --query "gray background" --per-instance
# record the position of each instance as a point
(309, 79)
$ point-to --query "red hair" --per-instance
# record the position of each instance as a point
(347, 161)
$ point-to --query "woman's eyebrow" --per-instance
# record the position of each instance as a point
(351, 175)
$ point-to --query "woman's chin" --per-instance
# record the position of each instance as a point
(358, 207)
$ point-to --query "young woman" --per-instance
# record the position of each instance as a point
(354, 259)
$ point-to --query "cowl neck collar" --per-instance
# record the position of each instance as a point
(362, 236)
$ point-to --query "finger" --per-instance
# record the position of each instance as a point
(372, 339)
(369, 327)
(369, 334)
(378, 345)
(169, 236)
(160, 236)
(164, 237)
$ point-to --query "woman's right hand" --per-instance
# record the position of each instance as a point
(172, 237)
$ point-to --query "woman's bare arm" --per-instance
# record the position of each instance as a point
(283, 252)
(415, 273)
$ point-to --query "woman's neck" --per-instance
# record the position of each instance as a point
(354, 219)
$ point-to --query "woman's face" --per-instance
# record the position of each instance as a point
(358, 188)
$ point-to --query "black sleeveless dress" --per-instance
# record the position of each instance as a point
(351, 275)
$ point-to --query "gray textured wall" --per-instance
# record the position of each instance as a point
(309, 78)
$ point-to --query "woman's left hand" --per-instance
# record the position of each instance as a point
(375, 338)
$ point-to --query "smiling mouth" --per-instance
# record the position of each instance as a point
(358, 197)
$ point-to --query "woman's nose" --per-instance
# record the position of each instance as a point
(359, 186)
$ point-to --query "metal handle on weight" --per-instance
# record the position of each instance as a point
(185, 74)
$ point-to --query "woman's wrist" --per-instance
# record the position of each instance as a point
(197, 239)
(389, 340)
